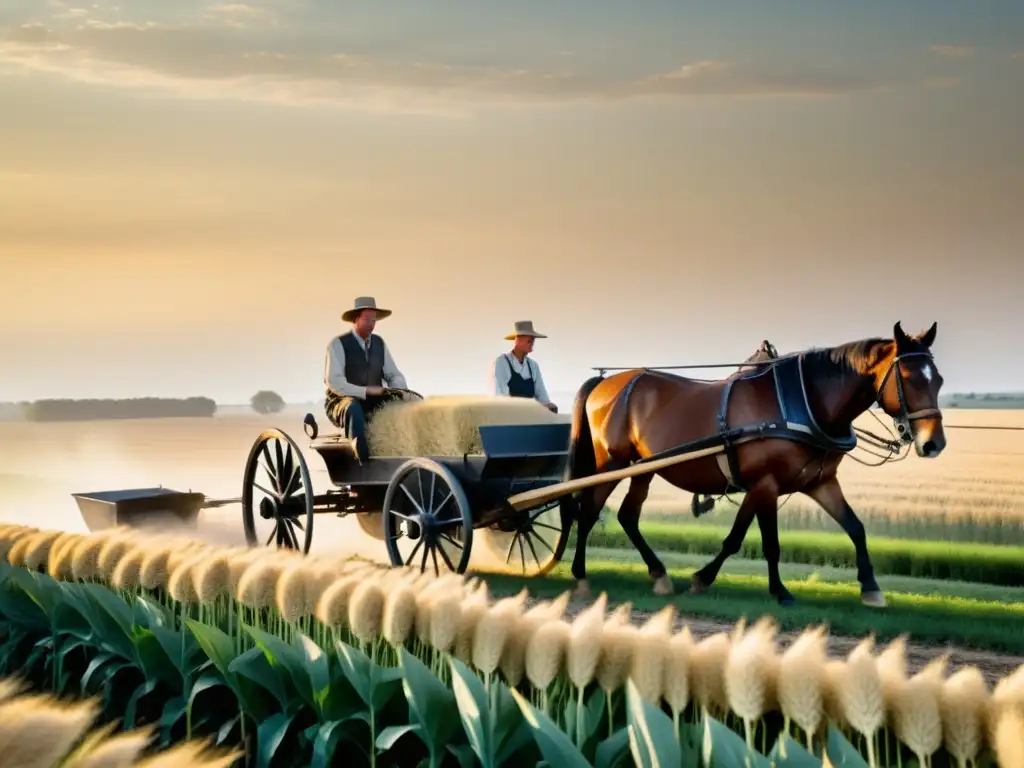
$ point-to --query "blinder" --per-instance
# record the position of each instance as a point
(903, 421)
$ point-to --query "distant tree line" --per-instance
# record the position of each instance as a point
(132, 408)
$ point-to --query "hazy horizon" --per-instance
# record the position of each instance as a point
(192, 193)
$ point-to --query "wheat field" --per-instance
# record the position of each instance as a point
(973, 492)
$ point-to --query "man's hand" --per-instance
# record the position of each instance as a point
(551, 407)
(374, 391)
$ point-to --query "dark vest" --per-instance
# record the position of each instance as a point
(519, 385)
(361, 369)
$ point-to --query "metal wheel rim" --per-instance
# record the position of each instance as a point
(284, 476)
(538, 545)
(422, 486)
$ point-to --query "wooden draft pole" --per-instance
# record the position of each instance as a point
(538, 496)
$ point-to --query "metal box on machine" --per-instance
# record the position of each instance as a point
(139, 507)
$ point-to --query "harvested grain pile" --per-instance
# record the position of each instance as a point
(448, 426)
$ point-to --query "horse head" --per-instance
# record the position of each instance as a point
(907, 389)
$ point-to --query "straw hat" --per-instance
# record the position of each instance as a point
(361, 303)
(524, 328)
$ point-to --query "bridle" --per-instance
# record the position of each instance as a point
(906, 417)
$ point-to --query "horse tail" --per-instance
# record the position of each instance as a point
(581, 461)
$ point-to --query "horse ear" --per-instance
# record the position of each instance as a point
(928, 337)
(899, 335)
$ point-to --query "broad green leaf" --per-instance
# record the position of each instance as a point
(329, 734)
(464, 754)
(112, 620)
(477, 719)
(511, 732)
(724, 748)
(318, 668)
(215, 644)
(652, 737)
(41, 589)
(21, 609)
(204, 683)
(555, 746)
(289, 659)
(148, 614)
(153, 659)
(140, 693)
(269, 737)
(183, 650)
(389, 736)
(340, 700)
(594, 715)
(691, 737)
(225, 731)
(68, 620)
(431, 703)
(613, 750)
(841, 753)
(174, 710)
(254, 665)
(374, 684)
(95, 671)
(789, 754)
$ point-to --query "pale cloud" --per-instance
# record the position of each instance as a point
(214, 62)
(1017, 55)
(952, 51)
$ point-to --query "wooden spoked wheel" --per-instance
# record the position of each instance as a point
(277, 495)
(530, 542)
(427, 520)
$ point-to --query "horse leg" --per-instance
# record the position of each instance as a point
(764, 491)
(629, 519)
(830, 496)
(768, 523)
(592, 501)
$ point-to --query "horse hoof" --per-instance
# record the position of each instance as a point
(696, 585)
(582, 591)
(874, 599)
(785, 598)
(663, 586)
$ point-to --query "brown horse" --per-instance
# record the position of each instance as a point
(784, 428)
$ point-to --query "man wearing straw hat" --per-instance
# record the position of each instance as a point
(357, 366)
(514, 374)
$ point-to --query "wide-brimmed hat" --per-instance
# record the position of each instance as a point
(361, 303)
(524, 328)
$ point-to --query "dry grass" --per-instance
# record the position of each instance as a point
(448, 426)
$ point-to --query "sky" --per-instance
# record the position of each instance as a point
(191, 193)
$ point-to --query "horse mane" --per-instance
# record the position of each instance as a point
(854, 357)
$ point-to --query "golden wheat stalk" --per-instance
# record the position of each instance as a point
(918, 714)
(751, 670)
(860, 694)
(802, 681)
(651, 645)
(709, 658)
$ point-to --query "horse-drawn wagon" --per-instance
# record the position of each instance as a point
(432, 485)
(507, 471)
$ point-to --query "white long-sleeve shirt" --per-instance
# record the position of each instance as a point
(526, 369)
(334, 371)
